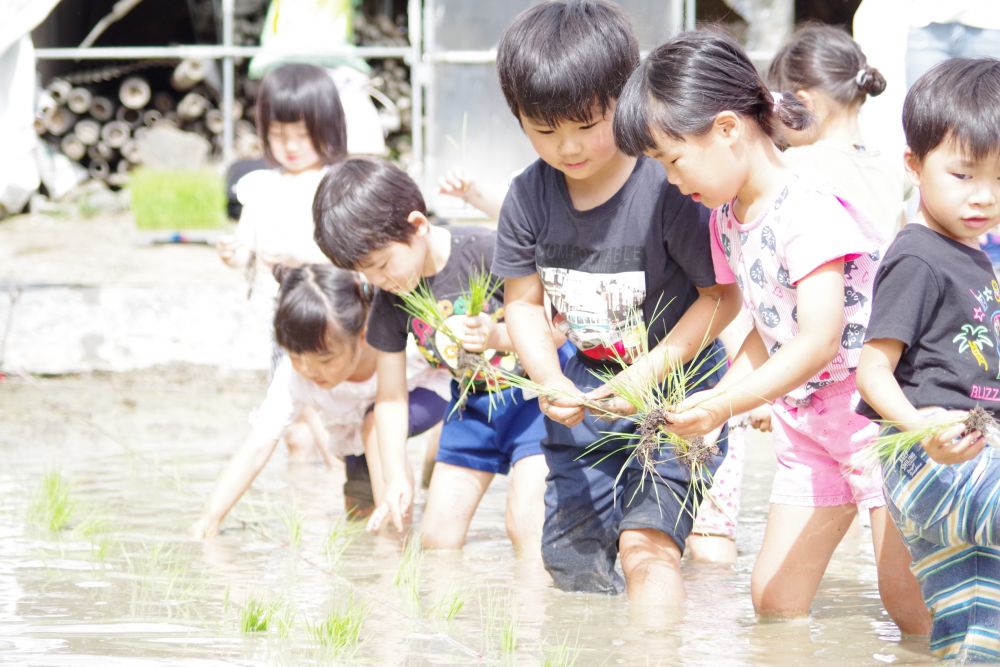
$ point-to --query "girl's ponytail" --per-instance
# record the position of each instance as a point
(870, 80)
(790, 111)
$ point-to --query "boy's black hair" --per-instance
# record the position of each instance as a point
(683, 84)
(298, 91)
(960, 99)
(362, 205)
(560, 57)
(315, 300)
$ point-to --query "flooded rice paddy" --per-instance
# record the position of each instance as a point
(102, 474)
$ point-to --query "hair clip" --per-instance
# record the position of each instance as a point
(859, 78)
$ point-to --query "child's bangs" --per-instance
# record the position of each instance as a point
(302, 326)
(977, 138)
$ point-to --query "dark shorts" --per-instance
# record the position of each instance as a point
(426, 410)
(590, 498)
(491, 441)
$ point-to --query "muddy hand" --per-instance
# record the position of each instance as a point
(609, 406)
(695, 416)
(950, 446)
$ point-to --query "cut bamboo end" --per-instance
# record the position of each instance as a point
(100, 151)
(150, 117)
(134, 92)
(78, 100)
(72, 147)
(99, 169)
(59, 120)
(87, 131)
(163, 102)
(188, 74)
(59, 90)
(130, 152)
(115, 133)
(101, 108)
(131, 117)
(214, 121)
(192, 106)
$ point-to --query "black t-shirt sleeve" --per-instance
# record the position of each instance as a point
(387, 323)
(514, 255)
(687, 238)
(906, 297)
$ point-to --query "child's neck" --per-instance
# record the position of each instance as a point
(602, 185)
(766, 176)
(438, 250)
(365, 369)
(842, 129)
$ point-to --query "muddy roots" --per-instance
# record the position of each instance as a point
(981, 420)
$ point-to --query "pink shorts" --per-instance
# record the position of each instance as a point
(814, 444)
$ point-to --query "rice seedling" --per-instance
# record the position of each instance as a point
(340, 631)
(448, 607)
(342, 534)
(94, 528)
(407, 578)
(892, 444)
(472, 370)
(562, 655)
(52, 507)
(256, 615)
(497, 617)
(292, 518)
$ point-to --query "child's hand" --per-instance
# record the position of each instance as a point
(478, 333)
(760, 418)
(612, 406)
(226, 248)
(204, 528)
(566, 408)
(273, 259)
(950, 447)
(698, 414)
(396, 503)
(456, 184)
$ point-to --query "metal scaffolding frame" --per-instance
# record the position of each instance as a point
(227, 52)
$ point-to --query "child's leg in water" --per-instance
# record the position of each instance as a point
(898, 588)
(526, 506)
(713, 537)
(452, 499)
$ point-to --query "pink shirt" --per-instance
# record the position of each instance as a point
(801, 231)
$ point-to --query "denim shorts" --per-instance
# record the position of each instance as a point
(594, 493)
(492, 441)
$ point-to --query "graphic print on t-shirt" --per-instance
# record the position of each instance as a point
(598, 299)
(980, 337)
(440, 350)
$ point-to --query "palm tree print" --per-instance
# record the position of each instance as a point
(974, 338)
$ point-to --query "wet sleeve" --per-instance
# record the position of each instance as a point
(686, 236)
(906, 299)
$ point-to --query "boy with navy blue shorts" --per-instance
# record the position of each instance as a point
(609, 241)
(370, 216)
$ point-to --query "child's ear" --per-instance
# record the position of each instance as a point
(418, 220)
(807, 99)
(913, 166)
(727, 125)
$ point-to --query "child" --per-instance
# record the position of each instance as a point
(805, 265)
(608, 240)
(301, 126)
(830, 75)
(320, 324)
(370, 216)
(932, 344)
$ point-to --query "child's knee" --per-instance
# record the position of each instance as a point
(647, 557)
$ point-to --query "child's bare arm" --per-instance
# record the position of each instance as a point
(534, 343)
(391, 427)
(234, 481)
(878, 386)
(821, 321)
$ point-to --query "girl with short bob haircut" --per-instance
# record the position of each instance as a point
(804, 262)
(329, 367)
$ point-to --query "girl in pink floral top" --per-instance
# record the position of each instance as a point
(805, 263)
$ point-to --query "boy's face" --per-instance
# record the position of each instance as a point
(959, 197)
(396, 267)
(581, 151)
(701, 166)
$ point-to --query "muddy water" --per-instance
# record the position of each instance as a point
(122, 586)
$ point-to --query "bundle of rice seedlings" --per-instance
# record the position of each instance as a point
(472, 369)
(888, 448)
